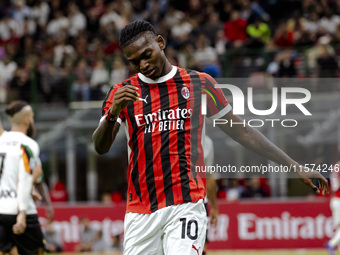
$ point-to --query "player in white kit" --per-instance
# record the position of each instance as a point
(19, 155)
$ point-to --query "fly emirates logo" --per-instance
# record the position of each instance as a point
(166, 120)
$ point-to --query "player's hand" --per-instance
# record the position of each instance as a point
(307, 175)
(20, 226)
(213, 217)
(122, 97)
(50, 213)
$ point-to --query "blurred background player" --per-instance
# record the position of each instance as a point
(211, 188)
(40, 189)
(335, 207)
(19, 156)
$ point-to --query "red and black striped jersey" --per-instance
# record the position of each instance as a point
(165, 129)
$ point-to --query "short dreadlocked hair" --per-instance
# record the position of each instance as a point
(135, 30)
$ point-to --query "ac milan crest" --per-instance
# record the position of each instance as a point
(185, 92)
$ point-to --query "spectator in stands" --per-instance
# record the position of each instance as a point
(153, 13)
(7, 70)
(295, 26)
(40, 12)
(186, 57)
(116, 243)
(62, 51)
(220, 44)
(234, 190)
(81, 84)
(211, 28)
(312, 23)
(113, 45)
(329, 22)
(99, 244)
(119, 71)
(283, 37)
(180, 32)
(20, 85)
(58, 26)
(173, 16)
(235, 30)
(99, 80)
(204, 54)
(171, 55)
(258, 11)
(9, 29)
(77, 20)
(20, 11)
(48, 78)
(53, 240)
(287, 65)
(110, 21)
(58, 193)
(258, 33)
(314, 52)
(54, 83)
(253, 189)
(106, 198)
(86, 236)
(336, 38)
(327, 64)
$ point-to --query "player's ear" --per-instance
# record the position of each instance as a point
(161, 42)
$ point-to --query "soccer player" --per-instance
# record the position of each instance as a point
(19, 225)
(335, 207)
(40, 190)
(161, 109)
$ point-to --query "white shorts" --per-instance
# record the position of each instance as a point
(335, 207)
(173, 230)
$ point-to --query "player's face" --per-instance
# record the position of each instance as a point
(146, 56)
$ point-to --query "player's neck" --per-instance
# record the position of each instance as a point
(167, 68)
(19, 128)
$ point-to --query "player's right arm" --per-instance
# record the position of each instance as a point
(106, 132)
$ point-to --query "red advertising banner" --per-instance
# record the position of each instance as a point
(241, 225)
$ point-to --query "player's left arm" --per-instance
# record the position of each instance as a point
(45, 194)
(41, 191)
(252, 139)
(211, 194)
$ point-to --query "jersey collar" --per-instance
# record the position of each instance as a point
(161, 79)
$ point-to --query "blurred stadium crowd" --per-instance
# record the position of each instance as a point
(68, 50)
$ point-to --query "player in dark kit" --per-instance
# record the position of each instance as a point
(161, 109)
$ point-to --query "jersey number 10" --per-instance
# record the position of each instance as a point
(187, 227)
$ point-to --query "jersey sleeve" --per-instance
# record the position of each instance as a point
(34, 148)
(217, 104)
(108, 103)
(25, 178)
